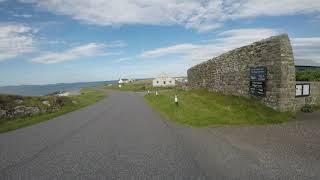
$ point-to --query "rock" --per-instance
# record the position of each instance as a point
(55, 109)
(74, 102)
(47, 103)
(25, 110)
(19, 111)
(32, 110)
(18, 101)
(3, 113)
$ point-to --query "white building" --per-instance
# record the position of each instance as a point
(164, 81)
(63, 93)
(123, 81)
(182, 79)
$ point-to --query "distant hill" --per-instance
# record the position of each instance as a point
(303, 68)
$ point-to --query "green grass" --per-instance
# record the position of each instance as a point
(201, 108)
(127, 87)
(87, 97)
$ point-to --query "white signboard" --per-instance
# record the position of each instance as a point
(299, 89)
(306, 89)
(302, 89)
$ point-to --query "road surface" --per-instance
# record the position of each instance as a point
(121, 137)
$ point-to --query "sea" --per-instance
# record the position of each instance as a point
(41, 90)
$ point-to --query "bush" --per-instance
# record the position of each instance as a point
(308, 75)
(62, 101)
(307, 108)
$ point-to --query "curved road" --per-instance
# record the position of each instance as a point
(121, 137)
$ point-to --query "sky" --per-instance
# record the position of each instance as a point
(64, 41)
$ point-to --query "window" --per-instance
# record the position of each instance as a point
(164, 82)
(170, 82)
(157, 82)
(302, 90)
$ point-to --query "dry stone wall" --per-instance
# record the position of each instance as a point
(313, 98)
(229, 72)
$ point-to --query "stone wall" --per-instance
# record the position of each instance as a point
(12, 106)
(229, 72)
(313, 98)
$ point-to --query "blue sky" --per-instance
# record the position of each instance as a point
(62, 41)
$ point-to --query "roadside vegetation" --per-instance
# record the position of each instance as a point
(58, 105)
(201, 108)
(308, 75)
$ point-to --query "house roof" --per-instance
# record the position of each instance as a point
(163, 79)
(163, 75)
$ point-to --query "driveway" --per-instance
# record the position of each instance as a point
(121, 137)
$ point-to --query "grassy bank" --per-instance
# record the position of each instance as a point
(87, 97)
(201, 108)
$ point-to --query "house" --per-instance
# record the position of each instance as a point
(163, 81)
(182, 79)
(123, 81)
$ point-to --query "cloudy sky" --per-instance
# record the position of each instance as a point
(55, 41)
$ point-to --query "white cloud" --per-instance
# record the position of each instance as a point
(201, 15)
(116, 44)
(225, 41)
(88, 50)
(23, 15)
(15, 40)
(181, 48)
(123, 59)
(306, 50)
(204, 27)
(253, 8)
(306, 42)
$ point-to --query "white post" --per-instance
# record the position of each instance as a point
(157, 93)
(119, 85)
(176, 100)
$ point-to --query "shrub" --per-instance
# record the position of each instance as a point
(308, 75)
(62, 101)
(307, 108)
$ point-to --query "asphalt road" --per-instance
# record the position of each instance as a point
(121, 137)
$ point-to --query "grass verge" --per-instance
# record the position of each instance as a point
(127, 87)
(87, 97)
(201, 108)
